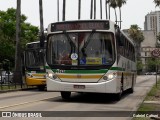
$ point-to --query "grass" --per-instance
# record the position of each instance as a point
(13, 87)
(153, 95)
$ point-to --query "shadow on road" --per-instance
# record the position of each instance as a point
(89, 98)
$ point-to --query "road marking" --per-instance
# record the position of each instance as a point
(3, 107)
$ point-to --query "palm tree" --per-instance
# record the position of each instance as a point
(157, 2)
(101, 9)
(91, 11)
(113, 4)
(94, 9)
(64, 10)
(106, 5)
(136, 34)
(18, 69)
(57, 10)
(41, 24)
(79, 9)
(119, 4)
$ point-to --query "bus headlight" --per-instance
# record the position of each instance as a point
(110, 76)
(52, 76)
(29, 75)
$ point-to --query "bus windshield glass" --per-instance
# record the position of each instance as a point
(35, 59)
(81, 49)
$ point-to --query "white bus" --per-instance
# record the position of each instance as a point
(89, 56)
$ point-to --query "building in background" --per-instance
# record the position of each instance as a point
(152, 22)
(147, 46)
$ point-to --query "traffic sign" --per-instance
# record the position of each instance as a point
(156, 53)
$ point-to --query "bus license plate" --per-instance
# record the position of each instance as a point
(79, 86)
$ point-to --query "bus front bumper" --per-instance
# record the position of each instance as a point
(35, 81)
(102, 87)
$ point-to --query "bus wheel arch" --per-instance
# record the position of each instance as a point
(131, 90)
(119, 94)
(41, 87)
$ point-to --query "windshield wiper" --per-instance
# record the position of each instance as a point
(86, 43)
(73, 46)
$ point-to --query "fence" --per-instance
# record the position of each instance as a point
(7, 82)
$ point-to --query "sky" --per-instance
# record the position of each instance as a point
(133, 12)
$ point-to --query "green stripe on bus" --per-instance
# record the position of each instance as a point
(117, 68)
(37, 72)
(81, 71)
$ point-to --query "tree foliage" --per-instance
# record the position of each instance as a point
(157, 2)
(152, 63)
(136, 34)
(29, 33)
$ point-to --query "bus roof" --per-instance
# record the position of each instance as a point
(33, 45)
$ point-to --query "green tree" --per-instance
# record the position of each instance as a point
(151, 64)
(136, 34)
(157, 3)
(29, 33)
(113, 4)
(158, 40)
(139, 66)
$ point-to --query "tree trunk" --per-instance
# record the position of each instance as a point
(101, 8)
(91, 12)
(42, 38)
(94, 9)
(106, 9)
(79, 9)
(115, 15)
(64, 10)
(17, 78)
(109, 11)
(57, 10)
(120, 17)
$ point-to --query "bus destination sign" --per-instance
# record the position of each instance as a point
(83, 25)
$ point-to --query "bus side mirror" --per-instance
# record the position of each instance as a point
(119, 37)
(41, 52)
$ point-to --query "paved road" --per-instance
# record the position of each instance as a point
(51, 101)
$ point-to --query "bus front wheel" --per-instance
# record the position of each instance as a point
(131, 90)
(119, 95)
(41, 87)
(65, 95)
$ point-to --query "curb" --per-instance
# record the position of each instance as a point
(151, 102)
(14, 90)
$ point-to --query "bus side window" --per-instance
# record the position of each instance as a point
(120, 40)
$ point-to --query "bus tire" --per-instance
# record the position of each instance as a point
(119, 95)
(41, 87)
(65, 95)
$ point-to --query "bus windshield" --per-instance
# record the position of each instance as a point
(81, 49)
(35, 59)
